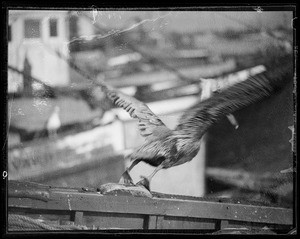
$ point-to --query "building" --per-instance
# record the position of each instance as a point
(87, 37)
(34, 36)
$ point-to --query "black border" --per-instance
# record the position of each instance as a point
(109, 5)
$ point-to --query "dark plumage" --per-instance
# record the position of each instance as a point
(165, 148)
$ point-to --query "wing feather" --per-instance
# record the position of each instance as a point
(195, 121)
(149, 124)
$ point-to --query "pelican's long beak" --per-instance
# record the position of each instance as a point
(233, 120)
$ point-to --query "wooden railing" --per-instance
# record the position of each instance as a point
(122, 210)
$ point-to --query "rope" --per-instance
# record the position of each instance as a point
(22, 223)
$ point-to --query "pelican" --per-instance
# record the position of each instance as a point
(165, 148)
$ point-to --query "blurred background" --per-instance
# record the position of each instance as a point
(63, 131)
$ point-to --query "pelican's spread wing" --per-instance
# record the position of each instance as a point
(149, 124)
(195, 121)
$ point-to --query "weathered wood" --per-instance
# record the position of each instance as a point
(78, 200)
(224, 224)
(113, 220)
(189, 223)
(78, 218)
(159, 222)
(151, 222)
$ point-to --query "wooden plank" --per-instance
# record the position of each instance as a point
(53, 216)
(78, 218)
(253, 225)
(113, 221)
(159, 222)
(93, 202)
(151, 222)
(189, 223)
(224, 224)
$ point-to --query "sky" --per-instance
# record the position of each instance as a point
(184, 21)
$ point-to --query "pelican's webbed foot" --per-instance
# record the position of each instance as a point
(144, 182)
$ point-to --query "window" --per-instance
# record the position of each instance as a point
(9, 33)
(53, 27)
(32, 28)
